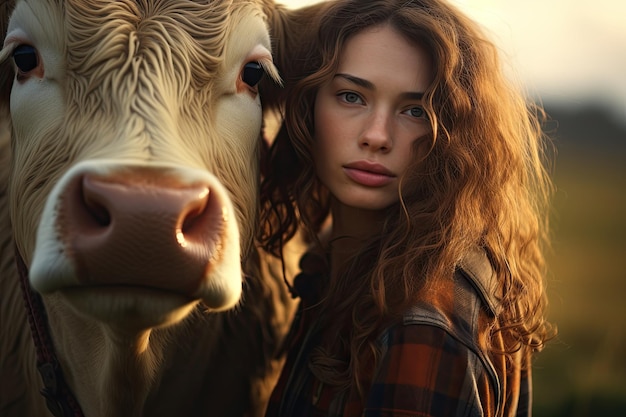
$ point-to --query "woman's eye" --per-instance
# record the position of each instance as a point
(252, 73)
(418, 112)
(349, 97)
(25, 58)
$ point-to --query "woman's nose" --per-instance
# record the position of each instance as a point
(376, 134)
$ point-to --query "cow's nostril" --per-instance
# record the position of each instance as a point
(195, 213)
(97, 211)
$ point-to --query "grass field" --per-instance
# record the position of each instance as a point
(583, 372)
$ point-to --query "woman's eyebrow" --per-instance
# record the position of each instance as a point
(412, 95)
(356, 80)
(409, 95)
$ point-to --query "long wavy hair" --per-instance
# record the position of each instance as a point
(483, 183)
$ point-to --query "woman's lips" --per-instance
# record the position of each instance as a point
(368, 174)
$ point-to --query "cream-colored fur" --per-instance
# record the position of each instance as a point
(139, 85)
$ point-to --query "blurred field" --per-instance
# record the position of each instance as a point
(583, 372)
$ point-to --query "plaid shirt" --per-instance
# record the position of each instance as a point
(432, 364)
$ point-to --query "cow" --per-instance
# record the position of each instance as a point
(130, 139)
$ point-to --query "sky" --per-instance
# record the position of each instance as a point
(565, 51)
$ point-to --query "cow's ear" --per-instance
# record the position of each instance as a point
(292, 32)
(6, 70)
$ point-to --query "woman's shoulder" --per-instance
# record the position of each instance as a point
(463, 304)
(436, 350)
(444, 329)
(425, 368)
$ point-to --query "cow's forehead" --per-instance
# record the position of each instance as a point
(158, 54)
(92, 32)
(95, 40)
(179, 32)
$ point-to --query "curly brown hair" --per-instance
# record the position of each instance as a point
(483, 183)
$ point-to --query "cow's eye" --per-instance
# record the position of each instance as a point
(252, 73)
(26, 58)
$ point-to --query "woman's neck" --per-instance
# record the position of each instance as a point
(352, 230)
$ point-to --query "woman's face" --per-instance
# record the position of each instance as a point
(368, 116)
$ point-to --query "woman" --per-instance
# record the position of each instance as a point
(416, 171)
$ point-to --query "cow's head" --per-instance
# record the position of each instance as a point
(135, 146)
